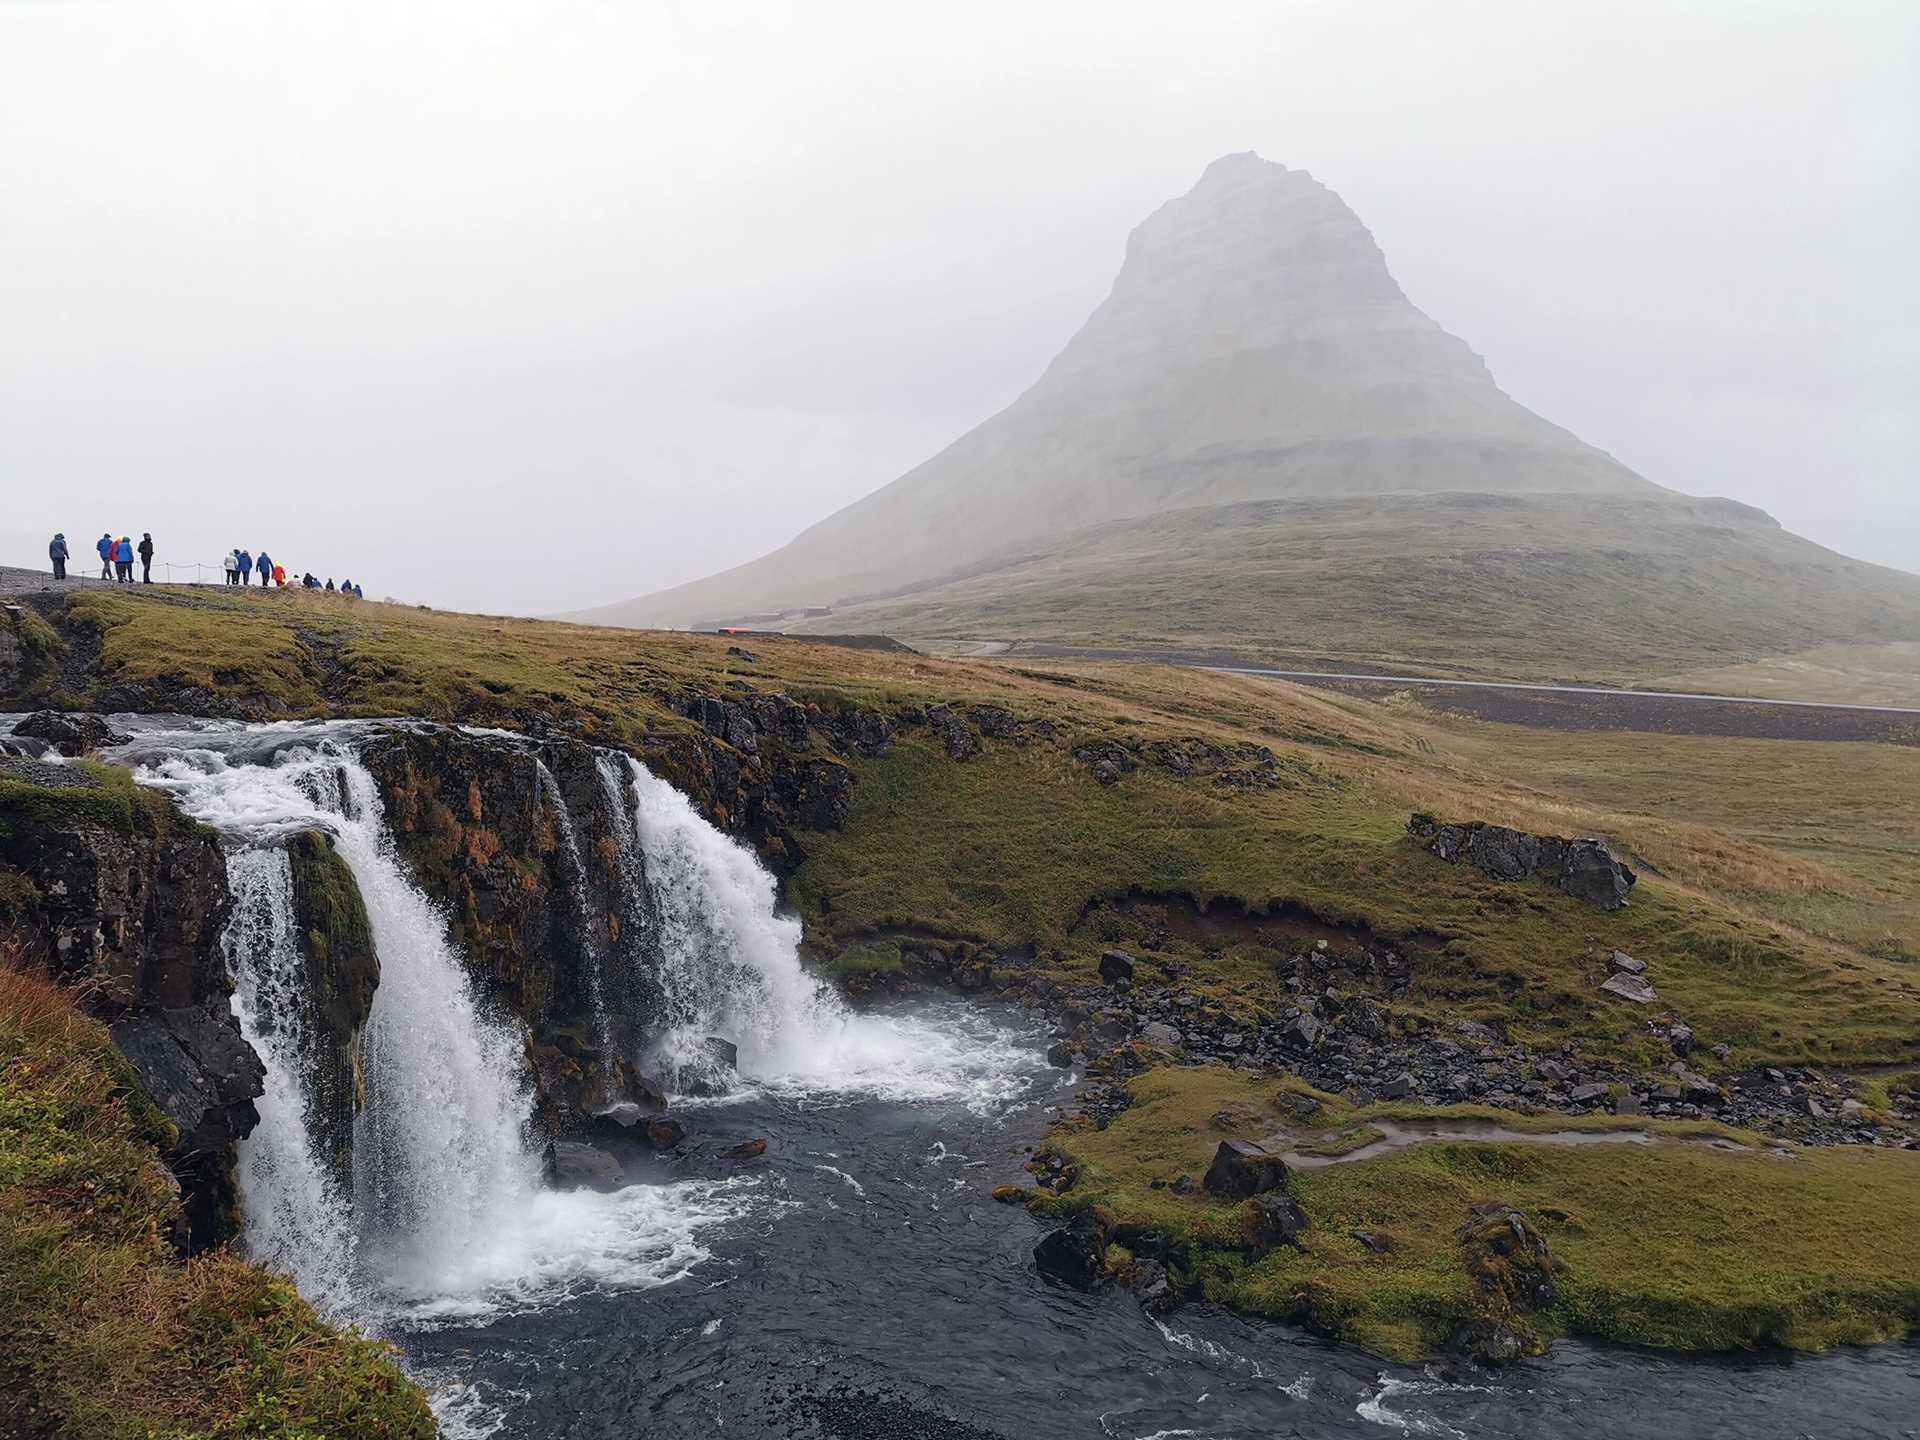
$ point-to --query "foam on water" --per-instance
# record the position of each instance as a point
(447, 1214)
(729, 964)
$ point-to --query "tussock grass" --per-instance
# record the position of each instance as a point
(105, 1334)
(1674, 1244)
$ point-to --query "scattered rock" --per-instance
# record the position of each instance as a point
(572, 1165)
(1115, 965)
(71, 735)
(1625, 963)
(1158, 1032)
(1680, 1037)
(1587, 1094)
(1271, 1219)
(1399, 1087)
(1075, 1254)
(1630, 987)
(1242, 1170)
(1587, 871)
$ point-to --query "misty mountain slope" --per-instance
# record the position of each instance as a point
(1550, 587)
(1257, 432)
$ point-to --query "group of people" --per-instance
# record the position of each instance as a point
(117, 557)
(241, 563)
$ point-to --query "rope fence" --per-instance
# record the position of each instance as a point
(167, 572)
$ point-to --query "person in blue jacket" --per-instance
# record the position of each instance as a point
(105, 546)
(123, 560)
(263, 567)
(57, 552)
(243, 561)
(358, 593)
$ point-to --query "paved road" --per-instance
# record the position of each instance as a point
(1569, 707)
(1424, 681)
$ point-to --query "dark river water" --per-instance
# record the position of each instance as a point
(869, 1286)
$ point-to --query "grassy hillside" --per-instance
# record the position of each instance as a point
(1610, 590)
(1777, 911)
(105, 1334)
(1788, 940)
(1675, 1243)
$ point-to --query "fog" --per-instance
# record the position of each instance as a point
(526, 307)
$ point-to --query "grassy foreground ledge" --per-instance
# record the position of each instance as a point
(1677, 1244)
(105, 1333)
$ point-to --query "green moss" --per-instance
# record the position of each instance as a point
(330, 900)
(1674, 1244)
(18, 893)
(867, 957)
(105, 1334)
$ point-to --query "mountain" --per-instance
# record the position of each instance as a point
(1257, 427)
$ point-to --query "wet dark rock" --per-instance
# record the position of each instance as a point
(1060, 1054)
(342, 970)
(1075, 1254)
(721, 1052)
(663, 1132)
(746, 1150)
(572, 1165)
(1150, 1285)
(71, 735)
(1271, 1219)
(128, 909)
(1241, 1170)
(1115, 965)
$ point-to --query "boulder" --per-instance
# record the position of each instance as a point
(70, 735)
(1630, 987)
(1591, 874)
(1680, 1037)
(1624, 962)
(745, 1150)
(1399, 1087)
(723, 1053)
(1115, 965)
(572, 1165)
(1075, 1254)
(1060, 1054)
(1507, 1259)
(1271, 1219)
(1241, 1170)
(663, 1133)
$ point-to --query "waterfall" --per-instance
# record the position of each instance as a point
(595, 956)
(446, 1215)
(297, 1218)
(728, 964)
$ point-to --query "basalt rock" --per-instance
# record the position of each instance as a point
(342, 971)
(571, 1165)
(1583, 868)
(1511, 1269)
(125, 900)
(71, 735)
(1075, 1254)
(1241, 1170)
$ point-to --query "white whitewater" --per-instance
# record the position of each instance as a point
(295, 1208)
(448, 1216)
(729, 965)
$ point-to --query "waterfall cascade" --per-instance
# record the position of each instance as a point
(446, 1213)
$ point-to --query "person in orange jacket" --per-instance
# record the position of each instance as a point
(280, 576)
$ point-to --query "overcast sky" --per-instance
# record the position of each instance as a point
(531, 306)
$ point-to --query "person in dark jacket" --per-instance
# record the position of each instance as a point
(330, 585)
(146, 558)
(308, 582)
(123, 560)
(57, 552)
(358, 593)
(105, 546)
(242, 566)
(263, 567)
